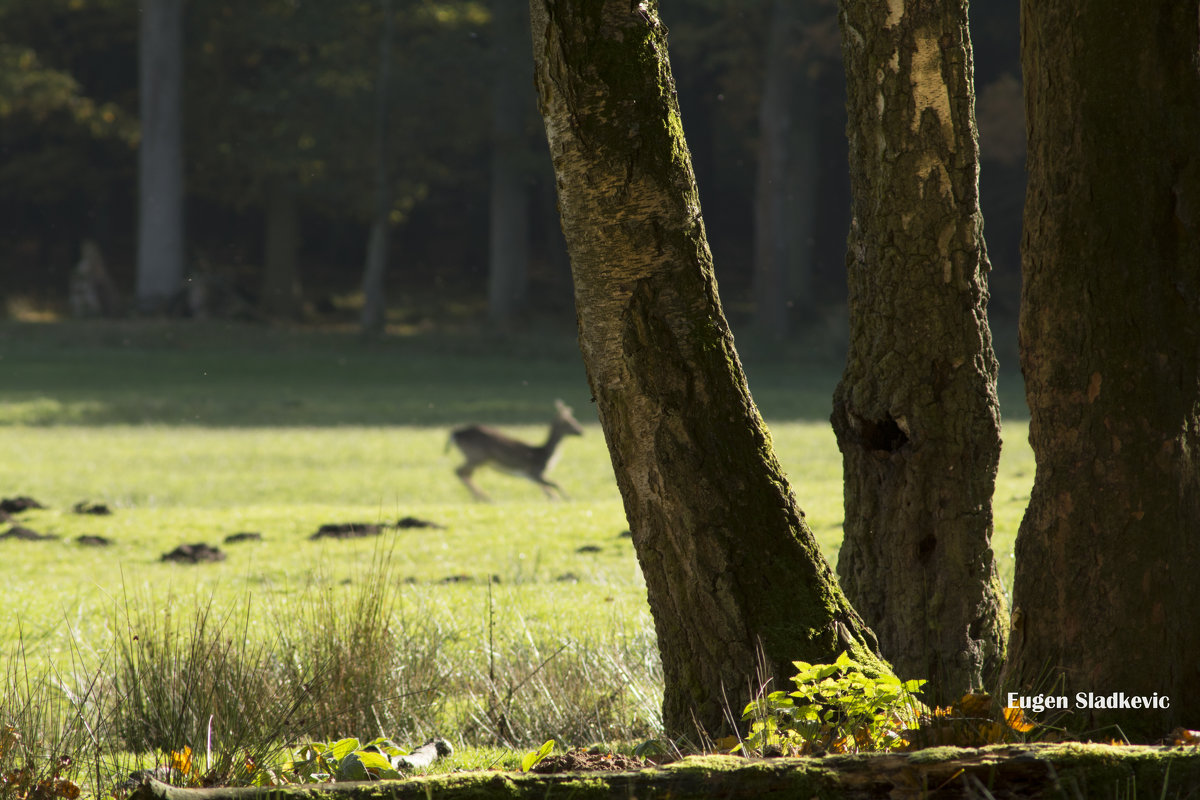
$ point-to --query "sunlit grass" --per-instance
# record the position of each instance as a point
(191, 434)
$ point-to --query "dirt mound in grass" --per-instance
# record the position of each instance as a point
(26, 534)
(589, 761)
(413, 522)
(243, 536)
(347, 530)
(356, 530)
(194, 554)
(87, 507)
(15, 505)
(90, 540)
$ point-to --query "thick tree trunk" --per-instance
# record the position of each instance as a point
(281, 271)
(374, 313)
(160, 264)
(1013, 771)
(735, 580)
(1108, 554)
(508, 248)
(915, 413)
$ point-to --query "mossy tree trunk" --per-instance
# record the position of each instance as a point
(915, 413)
(1108, 554)
(734, 576)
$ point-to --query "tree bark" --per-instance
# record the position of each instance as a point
(160, 257)
(374, 313)
(1108, 554)
(915, 413)
(1011, 771)
(281, 271)
(735, 580)
(508, 240)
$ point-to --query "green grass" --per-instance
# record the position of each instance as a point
(194, 432)
(191, 433)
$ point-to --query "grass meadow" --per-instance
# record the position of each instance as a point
(513, 622)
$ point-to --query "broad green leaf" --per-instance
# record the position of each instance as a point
(534, 756)
(373, 760)
(352, 768)
(343, 748)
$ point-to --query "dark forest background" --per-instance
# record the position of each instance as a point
(280, 110)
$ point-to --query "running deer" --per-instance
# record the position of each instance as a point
(482, 445)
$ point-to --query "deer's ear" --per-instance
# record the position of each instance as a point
(561, 406)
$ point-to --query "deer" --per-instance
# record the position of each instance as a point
(483, 445)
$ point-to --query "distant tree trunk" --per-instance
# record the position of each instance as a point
(160, 264)
(508, 248)
(1108, 554)
(915, 413)
(786, 184)
(281, 272)
(735, 580)
(374, 313)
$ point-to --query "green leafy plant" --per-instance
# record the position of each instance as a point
(835, 708)
(343, 760)
(533, 757)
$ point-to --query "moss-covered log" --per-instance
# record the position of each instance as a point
(1011, 771)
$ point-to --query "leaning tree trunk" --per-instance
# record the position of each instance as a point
(915, 413)
(735, 580)
(1108, 554)
(160, 155)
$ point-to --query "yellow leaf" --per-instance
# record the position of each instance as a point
(975, 705)
(728, 743)
(181, 760)
(1015, 719)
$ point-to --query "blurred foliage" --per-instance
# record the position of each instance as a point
(281, 93)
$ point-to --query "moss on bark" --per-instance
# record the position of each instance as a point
(735, 580)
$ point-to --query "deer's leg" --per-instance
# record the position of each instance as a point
(550, 487)
(464, 474)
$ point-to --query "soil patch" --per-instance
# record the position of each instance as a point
(84, 507)
(15, 505)
(194, 554)
(413, 522)
(88, 540)
(347, 530)
(588, 761)
(26, 534)
(243, 536)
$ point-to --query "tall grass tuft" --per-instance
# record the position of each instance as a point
(198, 683)
(207, 697)
(581, 691)
(49, 734)
(384, 672)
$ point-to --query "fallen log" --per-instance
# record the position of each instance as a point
(1005, 771)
